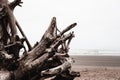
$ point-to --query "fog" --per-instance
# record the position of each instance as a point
(98, 21)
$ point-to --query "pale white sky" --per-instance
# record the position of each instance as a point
(98, 21)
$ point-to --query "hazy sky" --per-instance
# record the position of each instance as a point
(98, 21)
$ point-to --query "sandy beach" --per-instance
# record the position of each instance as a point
(97, 72)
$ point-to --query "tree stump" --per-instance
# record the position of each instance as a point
(49, 58)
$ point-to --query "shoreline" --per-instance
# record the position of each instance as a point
(97, 67)
(107, 61)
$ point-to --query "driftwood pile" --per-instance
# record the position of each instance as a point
(48, 58)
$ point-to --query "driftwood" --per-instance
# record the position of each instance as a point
(49, 58)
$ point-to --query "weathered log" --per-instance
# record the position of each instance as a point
(15, 3)
(28, 65)
(68, 28)
(49, 58)
(31, 65)
(59, 69)
(44, 42)
(12, 5)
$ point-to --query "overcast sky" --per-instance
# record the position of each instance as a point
(98, 21)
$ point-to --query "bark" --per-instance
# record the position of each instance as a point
(59, 69)
(48, 58)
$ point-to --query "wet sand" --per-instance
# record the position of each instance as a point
(97, 67)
